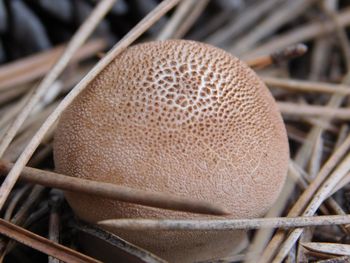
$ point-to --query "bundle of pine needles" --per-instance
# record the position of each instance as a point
(310, 220)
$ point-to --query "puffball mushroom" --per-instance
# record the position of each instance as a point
(178, 117)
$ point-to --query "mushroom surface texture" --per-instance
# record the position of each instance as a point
(178, 117)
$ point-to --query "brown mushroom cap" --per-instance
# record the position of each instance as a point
(178, 117)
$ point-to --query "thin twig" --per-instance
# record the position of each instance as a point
(278, 57)
(224, 225)
(308, 86)
(294, 109)
(112, 191)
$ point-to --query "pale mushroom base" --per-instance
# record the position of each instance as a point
(181, 246)
(173, 246)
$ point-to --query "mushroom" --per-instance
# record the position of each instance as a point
(178, 117)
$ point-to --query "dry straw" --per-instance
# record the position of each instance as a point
(315, 111)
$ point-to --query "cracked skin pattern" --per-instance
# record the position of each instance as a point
(178, 117)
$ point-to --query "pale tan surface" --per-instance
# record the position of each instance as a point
(179, 117)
